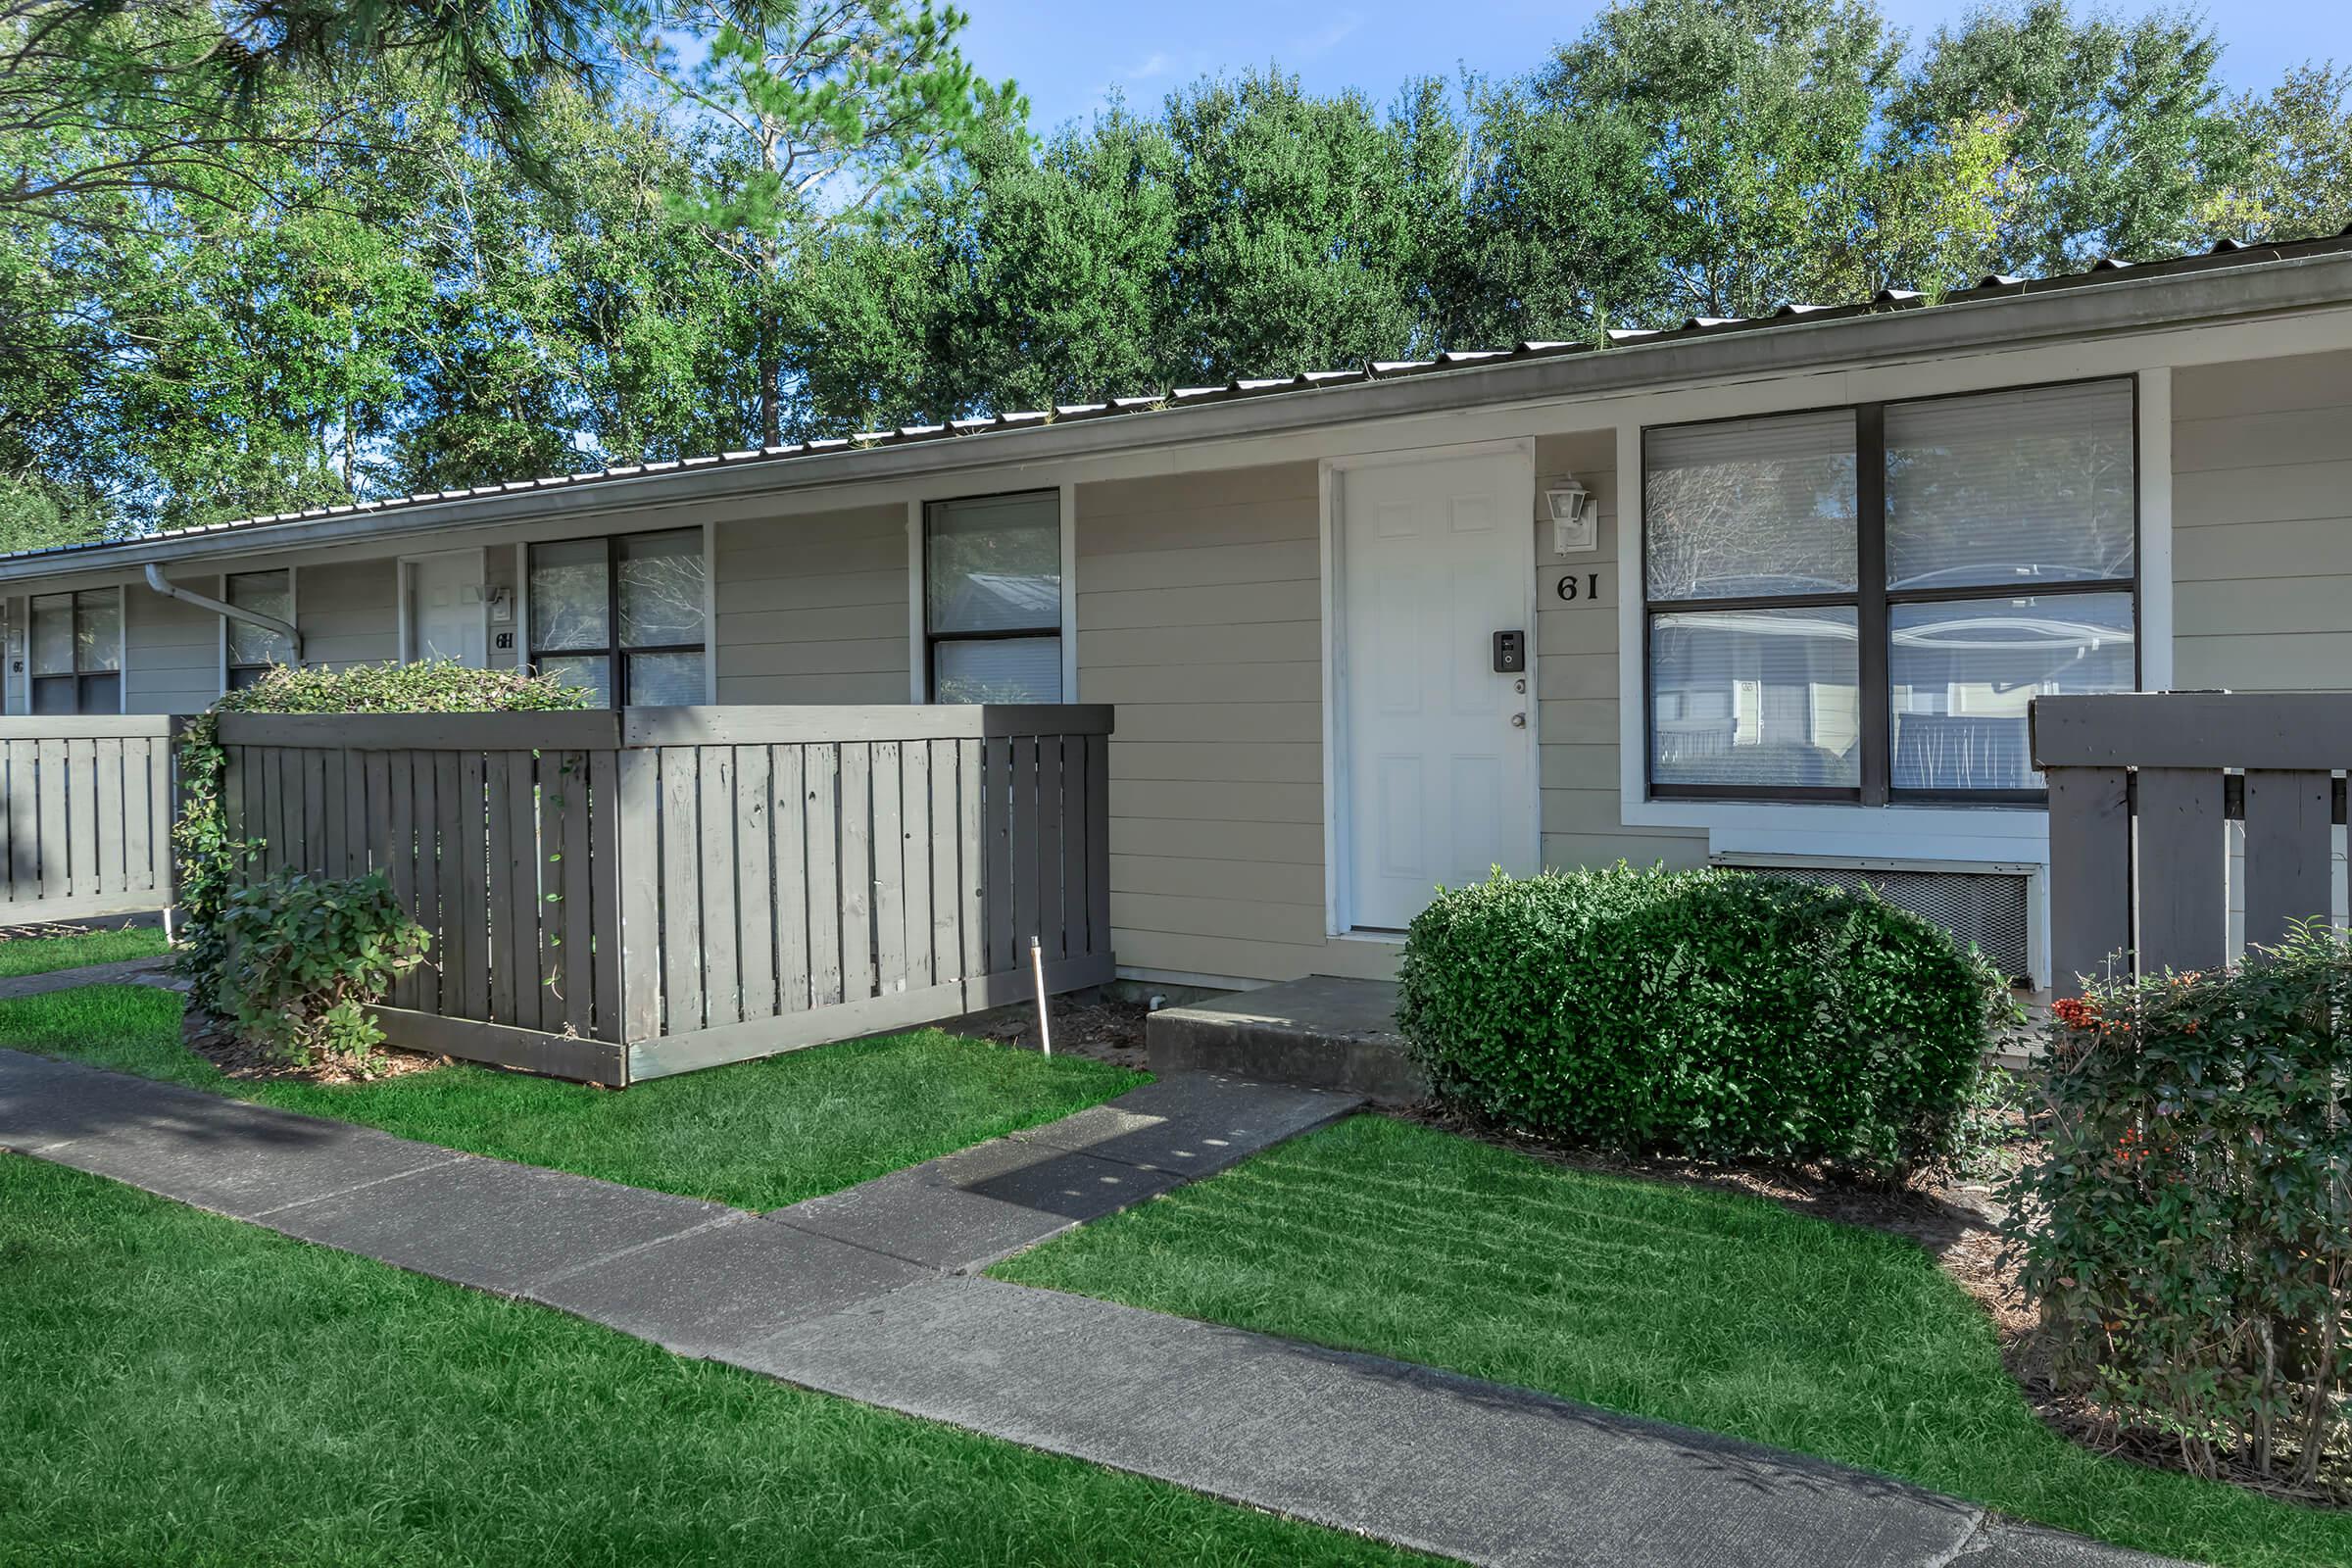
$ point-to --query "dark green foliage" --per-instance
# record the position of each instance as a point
(207, 857)
(2189, 1232)
(1708, 1013)
(303, 958)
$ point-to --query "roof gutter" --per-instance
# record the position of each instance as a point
(2105, 304)
(161, 584)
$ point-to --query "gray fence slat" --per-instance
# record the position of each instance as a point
(604, 906)
(637, 876)
(141, 819)
(574, 877)
(423, 981)
(2182, 881)
(948, 901)
(975, 850)
(996, 825)
(376, 769)
(333, 815)
(81, 816)
(788, 820)
(681, 893)
(498, 910)
(315, 814)
(50, 756)
(714, 873)
(23, 821)
(914, 857)
(547, 883)
(889, 848)
(473, 872)
(2091, 874)
(1052, 919)
(1098, 847)
(520, 950)
(109, 802)
(457, 913)
(857, 871)
(2288, 852)
(823, 848)
(755, 890)
(1075, 935)
(297, 846)
(400, 847)
(1024, 849)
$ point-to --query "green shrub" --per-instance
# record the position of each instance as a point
(209, 859)
(1708, 1013)
(303, 958)
(2189, 1231)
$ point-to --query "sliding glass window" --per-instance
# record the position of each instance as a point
(991, 598)
(622, 617)
(1859, 605)
(76, 664)
(252, 649)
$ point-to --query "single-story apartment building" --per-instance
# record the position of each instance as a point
(1770, 591)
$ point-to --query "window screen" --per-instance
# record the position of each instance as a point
(991, 598)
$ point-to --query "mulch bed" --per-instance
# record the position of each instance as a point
(207, 1037)
(1097, 1028)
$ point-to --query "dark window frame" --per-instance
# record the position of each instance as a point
(231, 664)
(79, 679)
(933, 639)
(616, 653)
(1873, 603)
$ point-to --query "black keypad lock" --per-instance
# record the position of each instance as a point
(1511, 652)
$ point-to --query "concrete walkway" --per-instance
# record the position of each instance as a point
(869, 1293)
(132, 971)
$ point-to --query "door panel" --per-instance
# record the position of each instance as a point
(1434, 558)
(445, 614)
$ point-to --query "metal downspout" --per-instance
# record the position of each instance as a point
(161, 584)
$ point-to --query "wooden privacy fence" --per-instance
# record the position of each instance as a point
(2142, 788)
(617, 896)
(88, 804)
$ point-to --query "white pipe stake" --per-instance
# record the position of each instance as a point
(1037, 968)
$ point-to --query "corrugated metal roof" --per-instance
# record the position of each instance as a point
(1992, 286)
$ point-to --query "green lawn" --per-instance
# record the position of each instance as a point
(183, 1389)
(1711, 1310)
(25, 955)
(759, 1135)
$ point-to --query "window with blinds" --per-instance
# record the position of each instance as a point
(78, 651)
(1860, 603)
(991, 598)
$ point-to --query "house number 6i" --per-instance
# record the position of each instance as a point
(1581, 587)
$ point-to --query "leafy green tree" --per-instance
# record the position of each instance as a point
(1751, 117)
(2120, 125)
(829, 109)
(2297, 178)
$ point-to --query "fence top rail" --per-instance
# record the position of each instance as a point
(902, 721)
(634, 727)
(2300, 731)
(83, 727)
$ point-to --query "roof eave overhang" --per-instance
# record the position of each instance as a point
(2104, 309)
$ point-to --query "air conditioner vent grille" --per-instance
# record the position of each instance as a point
(1985, 908)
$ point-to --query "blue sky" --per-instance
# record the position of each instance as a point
(1069, 55)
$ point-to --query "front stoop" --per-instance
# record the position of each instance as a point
(1318, 1032)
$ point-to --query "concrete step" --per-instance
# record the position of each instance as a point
(1318, 1032)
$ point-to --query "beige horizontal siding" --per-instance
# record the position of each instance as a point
(2262, 513)
(813, 609)
(349, 613)
(172, 651)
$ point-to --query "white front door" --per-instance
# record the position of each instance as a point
(445, 614)
(1434, 558)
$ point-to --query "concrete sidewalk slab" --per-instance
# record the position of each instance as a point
(717, 1291)
(1443, 1463)
(120, 971)
(968, 1210)
(494, 1225)
(1193, 1125)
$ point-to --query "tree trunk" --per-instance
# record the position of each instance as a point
(771, 396)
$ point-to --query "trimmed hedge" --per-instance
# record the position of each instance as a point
(1714, 1014)
(2187, 1233)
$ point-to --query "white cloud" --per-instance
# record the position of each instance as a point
(1159, 62)
(1329, 36)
